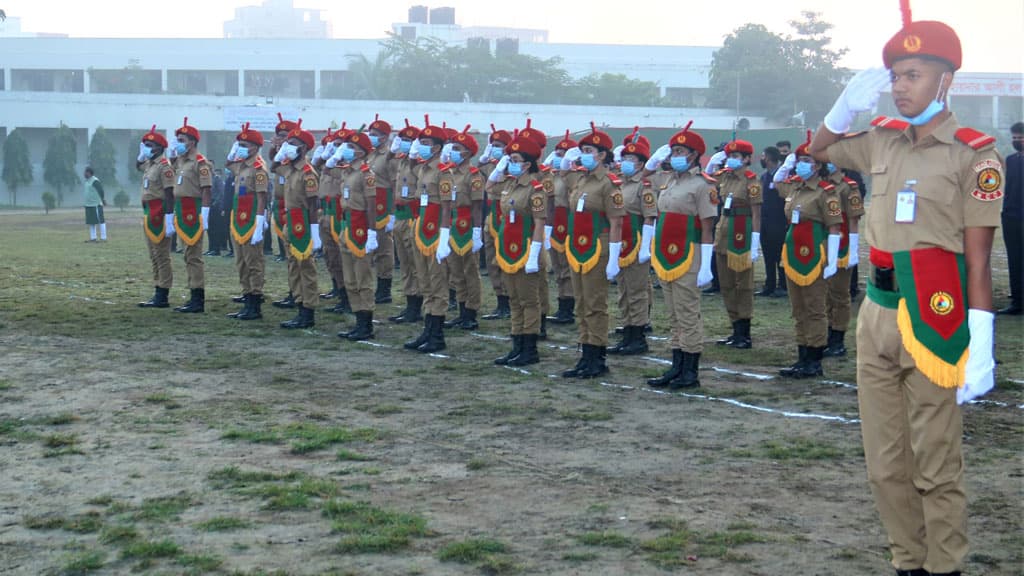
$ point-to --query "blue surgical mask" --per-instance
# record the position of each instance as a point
(589, 161)
(455, 156)
(242, 153)
(932, 110)
(148, 152)
(628, 167)
(348, 154)
(497, 152)
(733, 163)
(425, 151)
(515, 168)
(180, 148)
(374, 140)
(831, 168)
(804, 170)
(405, 146)
(680, 163)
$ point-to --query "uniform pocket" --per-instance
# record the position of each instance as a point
(879, 179)
(938, 188)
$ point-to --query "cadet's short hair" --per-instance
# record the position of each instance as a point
(785, 143)
(772, 154)
(88, 170)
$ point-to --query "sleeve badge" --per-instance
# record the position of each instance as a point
(537, 202)
(834, 209)
(310, 183)
(754, 191)
(990, 181)
(618, 200)
(649, 198)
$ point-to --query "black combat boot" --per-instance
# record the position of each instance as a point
(469, 322)
(243, 310)
(812, 367)
(581, 364)
(196, 303)
(637, 344)
(501, 311)
(687, 377)
(452, 304)
(364, 326)
(529, 353)
(240, 299)
(565, 313)
(435, 339)
(255, 311)
(457, 321)
(159, 299)
(517, 349)
(286, 302)
(332, 293)
(670, 374)
(801, 359)
(342, 306)
(543, 328)
(627, 339)
(596, 367)
(383, 293)
(728, 340)
(422, 338)
(836, 345)
(303, 319)
(742, 340)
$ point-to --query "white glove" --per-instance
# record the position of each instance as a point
(486, 155)
(396, 145)
(614, 251)
(314, 230)
(204, 215)
(704, 275)
(658, 157)
(832, 255)
(617, 153)
(142, 152)
(853, 248)
(532, 265)
(318, 151)
(335, 158)
(646, 238)
(443, 249)
(547, 237)
(715, 162)
(233, 153)
(979, 375)
(414, 150)
(329, 150)
(860, 95)
(266, 221)
(172, 152)
(550, 159)
(371, 241)
(499, 170)
(478, 239)
(257, 234)
(391, 224)
(571, 155)
(755, 246)
(446, 153)
(169, 225)
(783, 172)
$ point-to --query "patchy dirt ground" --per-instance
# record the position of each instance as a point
(146, 441)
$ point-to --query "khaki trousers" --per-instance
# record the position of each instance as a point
(912, 444)
(523, 299)
(682, 299)
(384, 255)
(250, 266)
(160, 258)
(634, 296)
(808, 306)
(838, 303)
(493, 272)
(194, 263)
(737, 289)
(359, 280)
(332, 253)
(435, 283)
(591, 292)
(407, 253)
(302, 281)
(464, 278)
(563, 281)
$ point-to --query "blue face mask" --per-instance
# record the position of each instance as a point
(733, 163)
(628, 167)
(589, 161)
(680, 163)
(515, 168)
(497, 153)
(348, 154)
(180, 148)
(148, 152)
(242, 153)
(405, 146)
(804, 169)
(932, 110)
(456, 156)
(831, 168)
(425, 151)
(374, 140)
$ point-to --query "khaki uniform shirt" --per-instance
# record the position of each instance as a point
(598, 192)
(639, 196)
(405, 180)
(252, 173)
(958, 186)
(689, 193)
(301, 182)
(428, 180)
(521, 194)
(849, 195)
(192, 175)
(358, 187)
(561, 191)
(464, 184)
(745, 189)
(814, 202)
(157, 176)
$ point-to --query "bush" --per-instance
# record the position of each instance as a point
(121, 200)
(49, 201)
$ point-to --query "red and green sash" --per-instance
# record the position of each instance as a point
(584, 240)
(513, 243)
(632, 225)
(356, 225)
(675, 237)
(243, 218)
(493, 217)
(408, 210)
(153, 222)
(428, 229)
(803, 252)
(280, 219)
(844, 243)
(300, 241)
(337, 218)
(560, 229)
(738, 240)
(932, 312)
(461, 238)
(385, 206)
(188, 221)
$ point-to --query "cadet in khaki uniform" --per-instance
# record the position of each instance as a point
(493, 153)
(466, 238)
(407, 207)
(593, 247)
(520, 244)
(158, 206)
(192, 184)
(431, 236)
(248, 220)
(384, 166)
(546, 178)
(814, 212)
(925, 331)
(330, 217)
(839, 303)
(738, 239)
(558, 221)
(301, 184)
(637, 233)
(277, 212)
(687, 206)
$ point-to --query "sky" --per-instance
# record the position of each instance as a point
(991, 31)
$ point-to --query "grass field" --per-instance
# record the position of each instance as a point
(146, 441)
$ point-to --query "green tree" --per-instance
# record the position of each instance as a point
(617, 90)
(59, 162)
(102, 157)
(132, 174)
(17, 164)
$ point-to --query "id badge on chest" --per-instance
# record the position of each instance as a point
(906, 203)
(580, 202)
(145, 183)
(424, 197)
(344, 193)
(405, 191)
(280, 180)
(728, 202)
(181, 178)
(795, 219)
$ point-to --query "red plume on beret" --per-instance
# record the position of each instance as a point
(304, 135)
(155, 138)
(926, 38)
(466, 140)
(247, 135)
(597, 139)
(689, 139)
(189, 130)
(804, 149)
(411, 132)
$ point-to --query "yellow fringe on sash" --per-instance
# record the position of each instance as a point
(739, 262)
(803, 279)
(301, 255)
(423, 248)
(334, 233)
(630, 258)
(152, 237)
(354, 249)
(583, 267)
(940, 372)
(667, 275)
(558, 246)
(278, 230)
(248, 235)
(190, 241)
(844, 262)
(513, 267)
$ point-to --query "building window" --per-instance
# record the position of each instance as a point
(280, 83)
(128, 80)
(203, 82)
(47, 81)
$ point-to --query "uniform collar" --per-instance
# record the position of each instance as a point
(944, 132)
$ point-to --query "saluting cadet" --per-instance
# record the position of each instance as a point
(279, 215)
(192, 196)
(248, 220)
(814, 213)
(738, 238)
(431, 235)
(925, 331)
(333, 216)
(546, 179)
(326, 193)
(158, 209)
(383, 164)
(301, 185)
(407, 207)
(594, 244)
(687, 200)
(466, 237)
(359, 236)
(839, 301)
(493, 153)
(558, 211)
(637, 234)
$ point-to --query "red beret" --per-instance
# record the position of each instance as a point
(451, 133)
(566, 143)
(283, 125)
(154, 137)
(305, 135)
(691, 140)
(466, 140)
(341, 133)
(635, 135)
(597, 138)
(926, 38)
(499, 136)
(327, 137)
(524, 145)
(247, 135)
(533, 134)
(640, 148)
(189, 130)
(411, 132)
(379, 125)
(433, 132)
(360, 139)
(741, 146)
(804, 149)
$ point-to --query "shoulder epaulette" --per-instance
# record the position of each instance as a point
(827, 186)
(708, 177)
(647, 182)
(974, 138)
(750, 174)
(364, 168)
(474, 170)
(615, 179)
(720, 171)
(850, 182)
(537, 185)
(890, 123)
(545, 168)
(794, 179)
(307, 168)
(165, 162)
(259, 163)
(200, 157)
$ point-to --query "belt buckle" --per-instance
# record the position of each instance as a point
(885, 279)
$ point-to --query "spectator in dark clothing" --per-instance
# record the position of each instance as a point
(773, 226)
(1013, 220)
(783, 146)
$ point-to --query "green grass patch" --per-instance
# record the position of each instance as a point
(83, 562)
(368, 529)
(101, 500)
(222, 524)
(386, 410)
(149, 549)
(586, 415)
(5, 385)
(471, 551)
(164, 508)
(118, 535)
(164, 399)
(279, 491)
(801, 449)
(579, 557)
(670, 549)
(60, 440)
(477, 463)
(62, 419)
(200, 562)
(606, 539)
(304, 437)
(80, 523)
(235, 477)
(350, 456)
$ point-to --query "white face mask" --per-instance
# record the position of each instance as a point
(287, 152)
